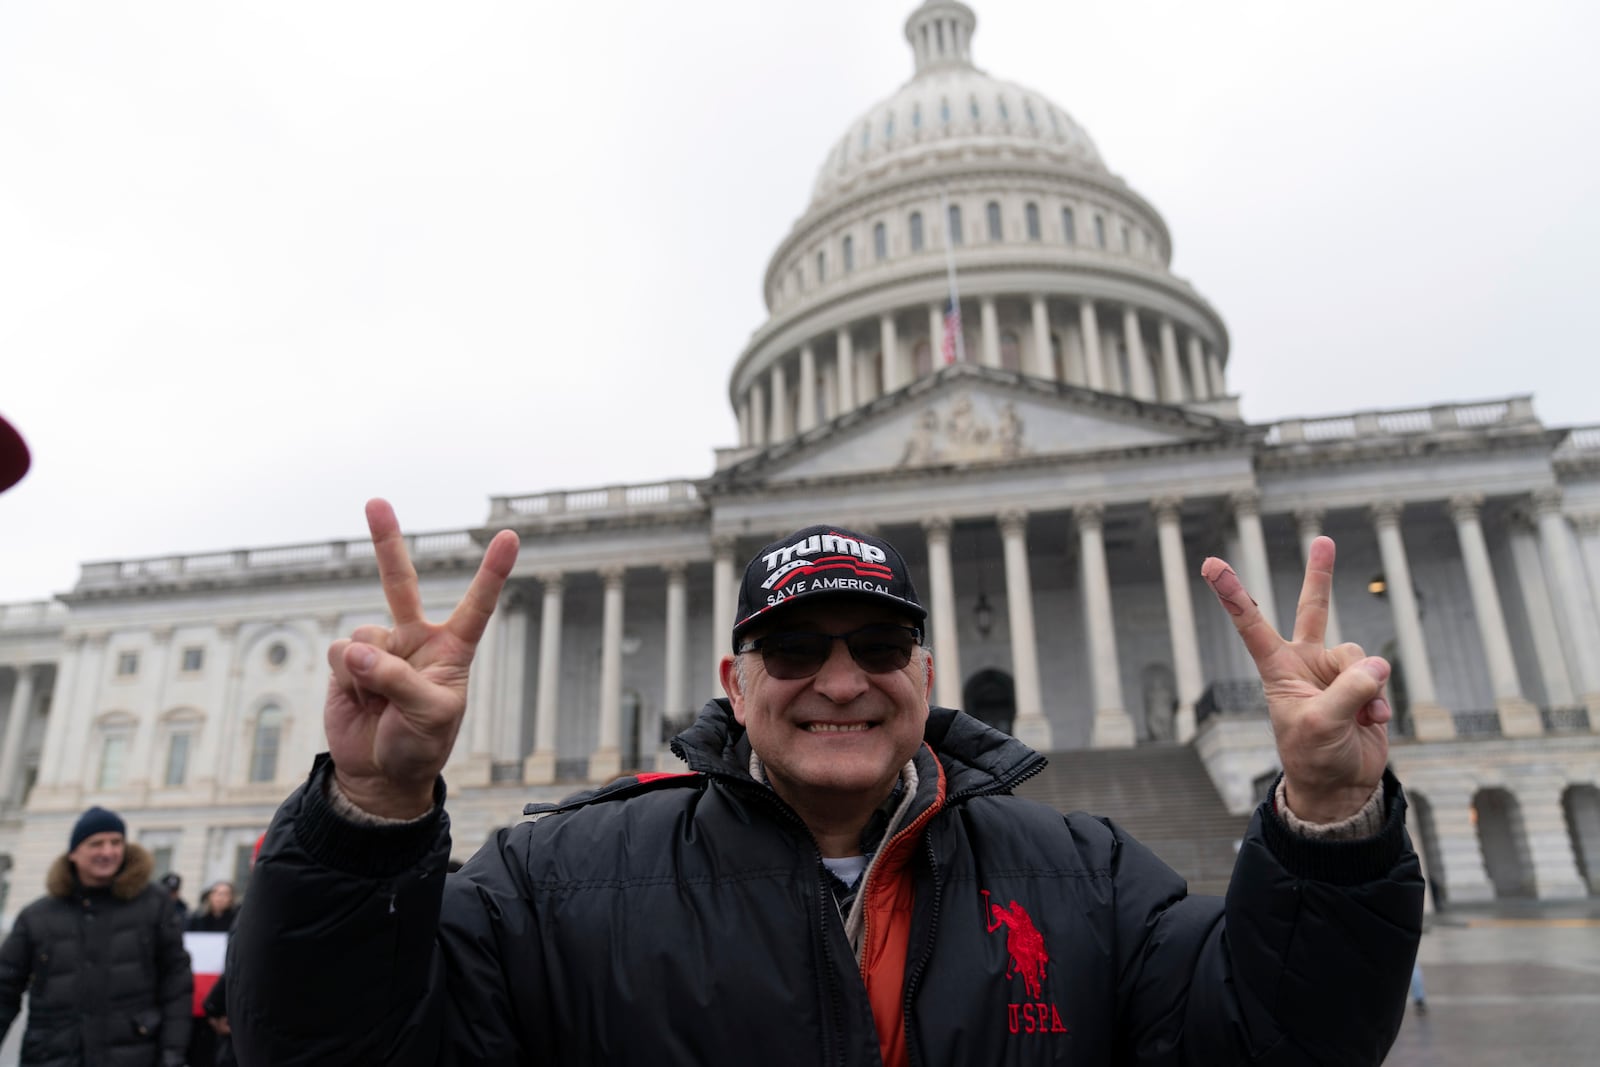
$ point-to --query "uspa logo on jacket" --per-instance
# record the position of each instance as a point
(1029, 960)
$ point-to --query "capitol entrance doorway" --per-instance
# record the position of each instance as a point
(991, 697)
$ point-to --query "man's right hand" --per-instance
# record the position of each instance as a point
(398, 694)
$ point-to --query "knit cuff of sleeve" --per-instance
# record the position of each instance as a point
(1338, 860)
(342, 836)
(1364, 823)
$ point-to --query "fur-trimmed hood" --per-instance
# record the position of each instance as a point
(137, 866)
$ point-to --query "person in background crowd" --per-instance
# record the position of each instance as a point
(174, 886)
(843, 875)
(217, 910)
(101, 957)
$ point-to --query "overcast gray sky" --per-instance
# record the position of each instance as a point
(260, 262)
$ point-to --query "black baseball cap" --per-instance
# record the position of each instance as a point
(13, 456)
(824, 561)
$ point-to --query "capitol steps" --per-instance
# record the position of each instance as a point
(1159, 793)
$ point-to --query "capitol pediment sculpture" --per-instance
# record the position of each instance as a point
(960, 433)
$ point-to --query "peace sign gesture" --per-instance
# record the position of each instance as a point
(398, 694)
(1327, 705)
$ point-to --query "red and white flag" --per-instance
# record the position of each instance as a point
(206, 955)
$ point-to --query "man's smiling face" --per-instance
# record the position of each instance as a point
(843, 733)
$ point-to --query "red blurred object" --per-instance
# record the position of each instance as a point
(13, 456)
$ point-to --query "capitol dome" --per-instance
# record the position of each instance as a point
(950, 106)
(962, 189)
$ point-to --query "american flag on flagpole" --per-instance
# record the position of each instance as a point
(952, 346)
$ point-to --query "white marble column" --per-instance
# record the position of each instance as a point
(808, 388)
(1588, 527)
(1571, 591)
(472, 763)
(1544, 824)
(1431, 721)
(1142, 385)
(889, 341)
(724, 597)
(1031, 727)
(935, 337)
(1116, 382)
(989, 318)
(1171, 371)
(1180, 613)
(1093, 362)
(758, 415)
(136, 782)
(1465, 879)
(1253, 565)
(744, 422)
(222, 681)
(675, 686)
(1044, 363)
(781, 430)
(1518, 716)
(69, 679)
(540, 766)
(605, 762)
(845, 361)
(1544, 634)
(942, 614)
(1112, 726)
(1214, 375)
(61, 764)
(1308, 521)
(1197, 368)
(16, 729)
(513, 670)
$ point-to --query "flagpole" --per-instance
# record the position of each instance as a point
(950, 269)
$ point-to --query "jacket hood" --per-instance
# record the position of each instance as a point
(137, 867)
(977, 758)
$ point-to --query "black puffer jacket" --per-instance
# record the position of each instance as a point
(107, 978)
(684, 920)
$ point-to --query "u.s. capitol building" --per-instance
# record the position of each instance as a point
(1054, 486)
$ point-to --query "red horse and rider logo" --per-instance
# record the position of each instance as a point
(1029, 958)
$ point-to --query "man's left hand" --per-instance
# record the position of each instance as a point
(1327, 705)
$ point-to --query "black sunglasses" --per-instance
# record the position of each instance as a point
(877, 649)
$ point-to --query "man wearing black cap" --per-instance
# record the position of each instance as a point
(843, 876)
(101, 958)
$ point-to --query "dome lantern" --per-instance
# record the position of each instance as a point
(940, 32)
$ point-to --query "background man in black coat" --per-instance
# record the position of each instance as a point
(101, 956)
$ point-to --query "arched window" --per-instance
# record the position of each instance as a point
(944, 110)
(916, 116)
(1000, 106)
(888, 128)
(1100, 231)
(866, 136)
(916, 231)
(264, 746)
(955, 224)
(992, 213)
(972, 106)
(880, 241)
(1027, 106)
(1127, 239)
(1069, 227)
(113, 759)
(849, 255)
(1032, 213)
(822, 267)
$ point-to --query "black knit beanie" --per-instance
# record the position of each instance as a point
(96, 820)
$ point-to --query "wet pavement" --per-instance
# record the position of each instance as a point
(1512, 986)
(1507, 987)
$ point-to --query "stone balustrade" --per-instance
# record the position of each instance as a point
(615, 499)
(32, 615)
(1516, 410)
(107, 573)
